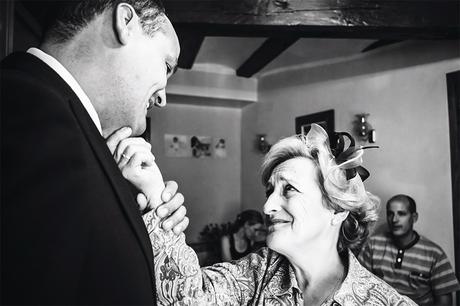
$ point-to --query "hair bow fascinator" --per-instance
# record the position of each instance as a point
(339, 166)
(350, 158)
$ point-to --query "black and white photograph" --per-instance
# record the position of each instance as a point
(230, 152)
(177, 145)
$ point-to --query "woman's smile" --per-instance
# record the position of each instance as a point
(274, 223)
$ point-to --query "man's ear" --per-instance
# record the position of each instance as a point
(125, 18)
(415, 216)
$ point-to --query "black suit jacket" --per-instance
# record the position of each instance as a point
(71, 230)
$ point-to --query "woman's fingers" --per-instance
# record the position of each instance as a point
(170, 190)
(167, 208)
(142, 201)
(174, 219)
(179, 228)
(178, 218)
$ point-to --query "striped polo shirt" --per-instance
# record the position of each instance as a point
(420, 270)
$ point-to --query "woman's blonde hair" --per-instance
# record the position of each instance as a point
(339, 193)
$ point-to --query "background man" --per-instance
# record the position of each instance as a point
(412, 264)
(71, 229)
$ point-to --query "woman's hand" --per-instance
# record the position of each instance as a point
(172, 208)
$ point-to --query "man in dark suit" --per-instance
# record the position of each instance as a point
(71, 229)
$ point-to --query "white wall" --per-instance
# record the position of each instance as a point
(404, 89)
(211, 186)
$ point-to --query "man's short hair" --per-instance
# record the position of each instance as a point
(67, 18)
(406, 199)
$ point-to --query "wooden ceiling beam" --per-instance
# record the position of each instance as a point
(378, 19)
(379, 44)
(190, 45)
(365, 19)
(267, 52)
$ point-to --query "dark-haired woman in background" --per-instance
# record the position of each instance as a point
(319, 213)
(247, 235)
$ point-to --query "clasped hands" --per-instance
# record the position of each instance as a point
(137, 164)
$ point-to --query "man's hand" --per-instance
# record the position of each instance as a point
(138, 166)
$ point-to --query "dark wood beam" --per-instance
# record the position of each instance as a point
(367, 19)
(453, 102)
(267, 52)
(190, 44)
(379, 19)
(379, 43)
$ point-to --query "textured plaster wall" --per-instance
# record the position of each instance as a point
(211, 186)
(404, 89)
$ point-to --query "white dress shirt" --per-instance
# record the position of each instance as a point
(70, 80)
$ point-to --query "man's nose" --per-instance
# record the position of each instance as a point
(160, 99)
(395, 219)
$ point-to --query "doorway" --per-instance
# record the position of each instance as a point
(453, 97)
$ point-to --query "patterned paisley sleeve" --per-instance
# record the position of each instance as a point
(181, 281)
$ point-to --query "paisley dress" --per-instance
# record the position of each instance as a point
(261, 278)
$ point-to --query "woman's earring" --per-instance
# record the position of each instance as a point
(339, 217)
(334, 220)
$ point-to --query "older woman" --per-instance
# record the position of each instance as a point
(318, 211)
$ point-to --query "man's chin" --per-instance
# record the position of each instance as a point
(397, 233)
(139, 130)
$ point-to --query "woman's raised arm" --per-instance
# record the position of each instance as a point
(181, 281)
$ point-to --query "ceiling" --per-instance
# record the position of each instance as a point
(226, 54)
(212, 80)
(227, 45)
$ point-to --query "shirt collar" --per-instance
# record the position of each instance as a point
(354, 270)
(406, 247)
(281, 279)
(352, 281)
(356, 285)
(70, 80)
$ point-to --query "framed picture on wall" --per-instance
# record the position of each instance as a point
(177, 145)
(324, 119)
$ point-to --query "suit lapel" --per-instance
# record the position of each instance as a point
(31, 64)
(120, 185)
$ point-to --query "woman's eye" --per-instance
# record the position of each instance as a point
(168, 69)
(288, 188)
(268, 192)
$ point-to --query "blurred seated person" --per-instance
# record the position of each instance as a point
(409, 262)
(246, 236)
